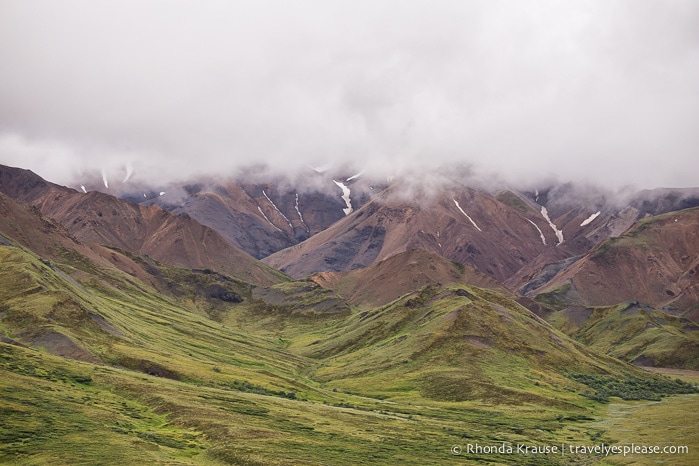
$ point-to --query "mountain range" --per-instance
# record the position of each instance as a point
(287, 313)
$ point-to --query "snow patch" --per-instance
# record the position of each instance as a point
(590, 218)
(129, 172)
(277, 209)
(263, 214)
(467, 216)
(162, 193)
(83, 188)
(298, 211)
(320, 168)
(104, 178)
(559, 233)
(353, 177)
(345, 197)
(541, 233)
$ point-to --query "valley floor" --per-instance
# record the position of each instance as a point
(669, 424)
(57, 411)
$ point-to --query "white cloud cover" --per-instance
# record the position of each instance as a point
(592, 90)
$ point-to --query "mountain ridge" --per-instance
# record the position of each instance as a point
(95, 217)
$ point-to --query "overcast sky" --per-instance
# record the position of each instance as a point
(602, 91)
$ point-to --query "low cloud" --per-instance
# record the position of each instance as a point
(593, 91)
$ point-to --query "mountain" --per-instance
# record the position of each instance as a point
(521, 239)
(443, 342)
(656, 262)
(520, 243)
(387, 280)
(463, 225)
(26, 226)
(507, 235)
(101, 364)
(99, 218)
(259, 217)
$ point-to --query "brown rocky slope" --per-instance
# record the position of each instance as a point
(103, 219)
(387, 280)
(656, 262)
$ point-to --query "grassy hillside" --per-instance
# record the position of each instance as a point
(127, 324)
(98, 367)
(635, 333)
(662, 423)
(458, 343)
(65, 412)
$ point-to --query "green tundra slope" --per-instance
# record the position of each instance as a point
(194, 367)
(634, 332)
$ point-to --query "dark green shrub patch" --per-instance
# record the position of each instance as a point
(633, 388)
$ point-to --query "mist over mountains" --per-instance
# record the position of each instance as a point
(593, 92)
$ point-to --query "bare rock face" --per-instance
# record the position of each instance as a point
(516, 240)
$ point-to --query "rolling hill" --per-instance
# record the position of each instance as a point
(634, 332)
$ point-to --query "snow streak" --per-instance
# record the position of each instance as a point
(129, 172)
(467, 216)
(263, 214)
(83, 188)
(104, 178)
(298, 211)
(590, 219)
(543, 238)
(355, 176)
(559, 233)
(345, 197)
(279, 211)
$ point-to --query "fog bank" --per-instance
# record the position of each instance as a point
(592, 91)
